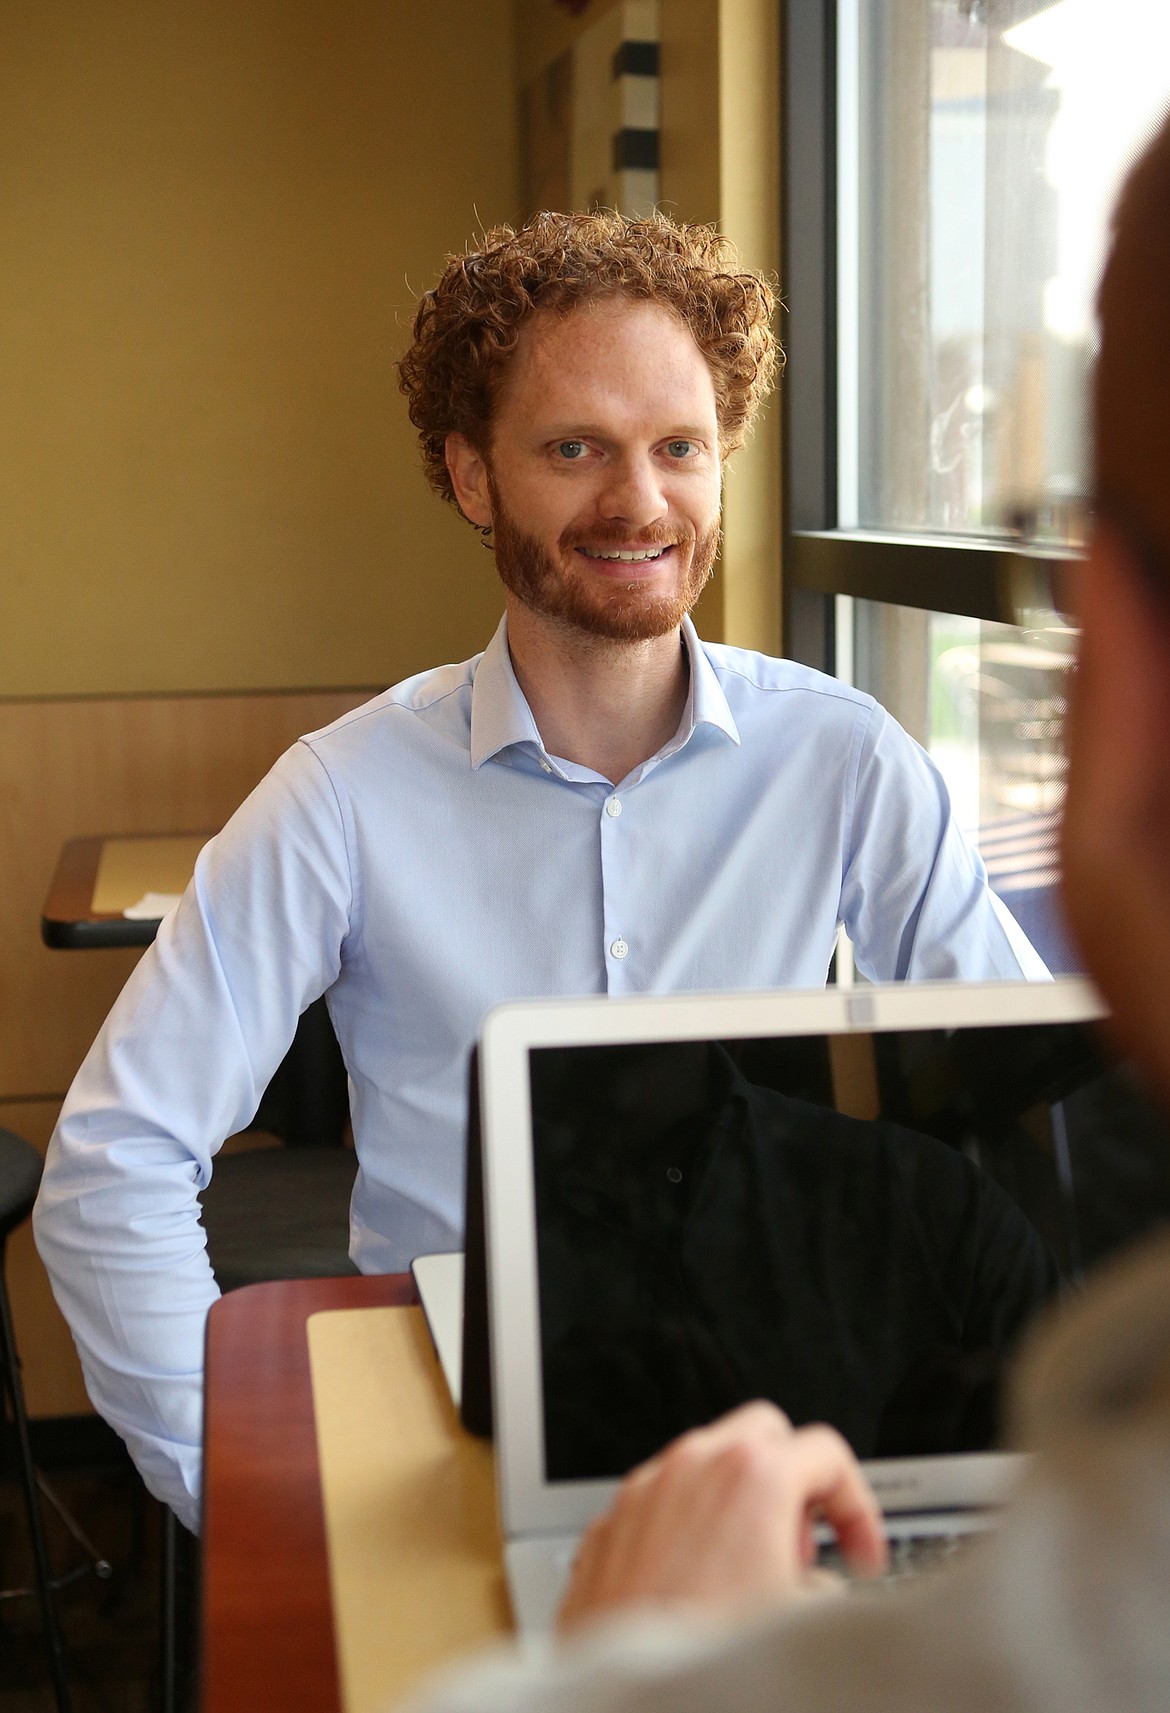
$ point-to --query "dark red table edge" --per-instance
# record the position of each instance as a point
(266, 1620)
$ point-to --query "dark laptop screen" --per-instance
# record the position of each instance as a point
(858, 1227)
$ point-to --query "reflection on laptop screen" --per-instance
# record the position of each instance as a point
(857, 1226)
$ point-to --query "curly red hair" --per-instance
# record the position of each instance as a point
(466, 328)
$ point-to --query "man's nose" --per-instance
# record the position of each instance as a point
(633, 493)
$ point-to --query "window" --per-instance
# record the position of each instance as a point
(950, 168)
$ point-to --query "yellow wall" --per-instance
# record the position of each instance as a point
(214, 220)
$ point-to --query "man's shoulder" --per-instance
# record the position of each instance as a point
(746, 673)
(422, 695)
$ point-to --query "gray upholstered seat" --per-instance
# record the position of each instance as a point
(279, 1213)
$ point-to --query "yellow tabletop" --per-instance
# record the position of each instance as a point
(410, 1506)
(130, 867)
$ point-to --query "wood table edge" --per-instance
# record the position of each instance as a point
(68, 921)
(267, 1639)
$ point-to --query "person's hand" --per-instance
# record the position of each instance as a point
(723, 1520)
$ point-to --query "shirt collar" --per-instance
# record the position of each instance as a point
(706, 703)
(501, 717)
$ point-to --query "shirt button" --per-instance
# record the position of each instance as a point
(619, 948)
(613, 808)
(674, 1174)
(544, 766)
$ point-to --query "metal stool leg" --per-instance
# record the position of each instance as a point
(169, 1615)
(179, 1690)
(11, 1372)
(93, 1561)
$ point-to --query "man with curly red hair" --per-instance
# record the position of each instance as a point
(599, 803)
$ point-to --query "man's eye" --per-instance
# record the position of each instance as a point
(680, 448)
(572, 449)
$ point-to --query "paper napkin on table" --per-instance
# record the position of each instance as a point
(151, 907)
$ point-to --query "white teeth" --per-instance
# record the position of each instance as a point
(650, 553)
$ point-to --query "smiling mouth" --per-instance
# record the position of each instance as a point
(632, 558)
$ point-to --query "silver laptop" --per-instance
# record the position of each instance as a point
(851, 1201)
(439, 1282)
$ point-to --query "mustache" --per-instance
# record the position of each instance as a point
(602, 535)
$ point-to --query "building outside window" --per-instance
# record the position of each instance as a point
(950, 168)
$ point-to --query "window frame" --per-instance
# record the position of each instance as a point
(968, 575)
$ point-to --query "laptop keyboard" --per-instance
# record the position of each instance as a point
(539, 1568)
(910, 1555)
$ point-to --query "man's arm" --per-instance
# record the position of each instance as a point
(915, 898)
(180, 1064)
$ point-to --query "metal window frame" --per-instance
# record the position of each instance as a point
(972, 576)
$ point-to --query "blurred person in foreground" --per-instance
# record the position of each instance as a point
(695, 1591)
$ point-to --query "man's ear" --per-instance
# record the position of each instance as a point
(469, 478)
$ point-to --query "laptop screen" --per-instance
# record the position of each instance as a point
(858, 1226)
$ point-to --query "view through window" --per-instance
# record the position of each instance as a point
(980, 147)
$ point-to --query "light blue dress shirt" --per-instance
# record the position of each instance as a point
(422, 859)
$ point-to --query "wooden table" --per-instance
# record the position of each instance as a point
(97, 878)
(267, 1616)
(268, 1635)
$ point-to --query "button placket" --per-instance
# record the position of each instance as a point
(614, 860)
